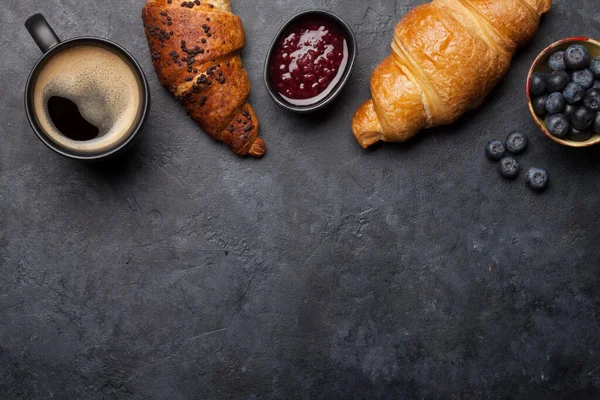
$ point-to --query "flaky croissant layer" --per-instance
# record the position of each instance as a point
(446, 57)
(195, 47)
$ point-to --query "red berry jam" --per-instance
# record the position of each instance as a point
(308, 61)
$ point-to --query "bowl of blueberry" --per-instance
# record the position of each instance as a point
(563, 92)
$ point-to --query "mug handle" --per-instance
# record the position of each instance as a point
(41, 32)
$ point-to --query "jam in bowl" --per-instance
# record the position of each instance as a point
(310, 61)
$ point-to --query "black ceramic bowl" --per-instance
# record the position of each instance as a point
(346, 31)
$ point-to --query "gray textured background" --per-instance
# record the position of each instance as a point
(321, 271)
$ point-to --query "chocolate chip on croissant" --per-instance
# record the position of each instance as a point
(195, 48)
(446, 57)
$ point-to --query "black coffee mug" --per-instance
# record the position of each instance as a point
(50, 44)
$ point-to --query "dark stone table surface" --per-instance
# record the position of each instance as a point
(322, 271)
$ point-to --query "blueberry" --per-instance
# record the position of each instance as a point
(556, 62)
(574, 93)
(495, 150)
(577, 57)
(509, 168)
(516, 143)
(539, 105)
(584, 76)
(537, 179)
(592, 100)
(569, 111)
(545, 75)
(595, 66)
(582, 118)
(596, 85)
(555, 103)
(596, 127)
(579, 136)
(557, 81)
(537, 84)
(558, 125)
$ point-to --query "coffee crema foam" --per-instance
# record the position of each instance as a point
(104, 87)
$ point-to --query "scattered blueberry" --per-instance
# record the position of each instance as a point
(555, 103)
(537, 84)
(556, 62)
(579, 136)
(585, 77)
(577, 57)
(569, 110)
(574, 93)
(509, 168)
(558, 125)
(557, 81)
(539, 105)
(592, 100)
(596, 85)
(537, 179)
(582, 118)
(516, 143)
(495, 150)
(596, 126)
(595, 66)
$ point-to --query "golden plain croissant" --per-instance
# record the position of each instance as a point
(195, 47)
(446, 57)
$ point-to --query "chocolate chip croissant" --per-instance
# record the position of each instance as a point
(195, 48)
(446, 57)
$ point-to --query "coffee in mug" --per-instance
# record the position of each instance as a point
(87, 98)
